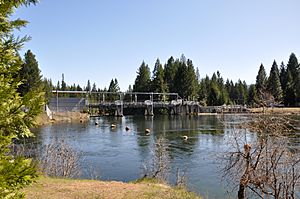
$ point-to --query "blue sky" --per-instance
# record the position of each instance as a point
(104, 39)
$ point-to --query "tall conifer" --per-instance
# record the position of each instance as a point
(142, 80)
(274, 85)
(261, 78)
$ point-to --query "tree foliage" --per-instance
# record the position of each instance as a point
(170, 71)
(179, 75)
(261, 78)
(63, 83)
(293, 66)
(29, 74)
(158, 80)
(88, 86)
(290, 81)
(142, 81)
(184, 81)
(113, 87)
(274, 85)
(16, 112)
(252, 97)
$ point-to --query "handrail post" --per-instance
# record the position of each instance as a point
(152, 104)
(56, 101)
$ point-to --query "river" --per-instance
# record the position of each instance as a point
(116, 154)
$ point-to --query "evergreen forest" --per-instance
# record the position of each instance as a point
(179, 75)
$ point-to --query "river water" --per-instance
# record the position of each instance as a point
(116, 154)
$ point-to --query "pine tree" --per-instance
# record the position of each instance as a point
(228, 90)
(88, 86)
(294, 84)
(15, 172)
(94, 88)
(29, 74)
(290, 94)
(47, 88)
(78, 88)
(170, 71)
(261, 79)
(185, 80)
(203, 92)
(73, 87)
(231, 91)
(224, 97)
(241, 88)
(142, 81)
(282, 75)
(158, 82)
(297, 87)
(191, 83)
(261, 86)
(274, 85)
(114, 88)
(252, 99)
(245, 89)
(63, 83)
(180, 78)
(214, 94)
(129, 90)
(293, 66)
(57, 86)
(111, 87)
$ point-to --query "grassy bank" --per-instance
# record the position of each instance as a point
(48, 188)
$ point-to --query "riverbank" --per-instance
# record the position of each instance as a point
(58, 117)
(276, 110)
(50, 188)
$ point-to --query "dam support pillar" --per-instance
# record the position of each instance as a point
(119, 108)
(149, 111)
(149, 107)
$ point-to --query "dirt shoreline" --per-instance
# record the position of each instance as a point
(61, 117)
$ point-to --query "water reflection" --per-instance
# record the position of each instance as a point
(117, 154)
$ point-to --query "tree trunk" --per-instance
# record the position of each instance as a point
(244, 178)
(241, 192)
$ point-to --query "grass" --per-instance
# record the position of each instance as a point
(48, 188)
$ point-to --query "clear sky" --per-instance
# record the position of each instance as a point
(104, 39)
